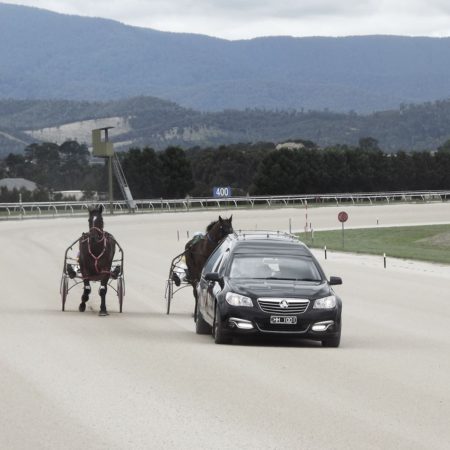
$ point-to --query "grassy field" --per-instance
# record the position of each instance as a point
(425, 243)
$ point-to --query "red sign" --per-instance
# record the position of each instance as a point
(342, 216)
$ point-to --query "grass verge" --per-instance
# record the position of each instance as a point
(425, 243)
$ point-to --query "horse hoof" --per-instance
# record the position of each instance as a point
(103, 313)
(82, 307)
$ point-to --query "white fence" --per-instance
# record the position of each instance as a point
(69, 208)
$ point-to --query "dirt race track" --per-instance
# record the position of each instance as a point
(145, 380)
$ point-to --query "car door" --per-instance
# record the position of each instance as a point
(209, 288)
(214, 288)
(202, 287)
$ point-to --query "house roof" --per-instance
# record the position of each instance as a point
(18, 183)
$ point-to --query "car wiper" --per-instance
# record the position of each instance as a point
(293, 279)
(286, 279)
(280, 278)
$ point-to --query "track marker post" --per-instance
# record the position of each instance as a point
(342, 217)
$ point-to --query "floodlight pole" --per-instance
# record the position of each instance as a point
(110, 181)
(104, 149)
(110, 185)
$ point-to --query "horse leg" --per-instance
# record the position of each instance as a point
(102, 292)
(85, 296)
(176, 279)
(194, 288)
(71, 271)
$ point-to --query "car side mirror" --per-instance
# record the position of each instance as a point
(212, 276)
(335, 280)
(215, 277)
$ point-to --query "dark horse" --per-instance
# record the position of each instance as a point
(97, 248)
(197, 251)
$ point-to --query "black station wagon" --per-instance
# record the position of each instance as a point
(267, 283)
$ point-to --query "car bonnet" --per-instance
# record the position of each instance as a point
(278, 288)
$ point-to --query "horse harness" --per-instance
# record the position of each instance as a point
(193, 243)
(104, 238)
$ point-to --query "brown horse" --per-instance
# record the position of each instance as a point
(97, 248)
(197, 251)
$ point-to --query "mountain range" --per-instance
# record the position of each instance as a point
(47, 55)
(62, 76)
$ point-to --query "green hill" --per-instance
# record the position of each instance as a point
(147, 121)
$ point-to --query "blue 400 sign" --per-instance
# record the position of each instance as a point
(222, 191)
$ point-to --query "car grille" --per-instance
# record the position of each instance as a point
(264, 325)
(274, 305)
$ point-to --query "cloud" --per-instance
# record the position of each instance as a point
(235, 19)
(252, 10)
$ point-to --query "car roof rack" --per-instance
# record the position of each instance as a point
(267, 234)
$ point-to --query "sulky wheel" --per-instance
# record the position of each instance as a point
(64, 290)
(120, 292)
(169, 295)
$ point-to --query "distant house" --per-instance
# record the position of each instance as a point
(18, 183)
(290, 145)
(74, 194)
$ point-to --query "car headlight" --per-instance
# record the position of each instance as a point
(238, 300)
(325, 302)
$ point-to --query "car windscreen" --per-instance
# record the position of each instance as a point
(280, 267)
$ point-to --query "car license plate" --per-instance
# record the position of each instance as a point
(283, 320)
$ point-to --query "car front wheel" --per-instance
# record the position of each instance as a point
(201, 326)
(220, 335)
(332, 341)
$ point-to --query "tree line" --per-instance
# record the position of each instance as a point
(254, 169)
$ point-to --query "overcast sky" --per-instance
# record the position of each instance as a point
(244, 19)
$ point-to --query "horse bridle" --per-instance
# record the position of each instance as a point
(222, 232)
